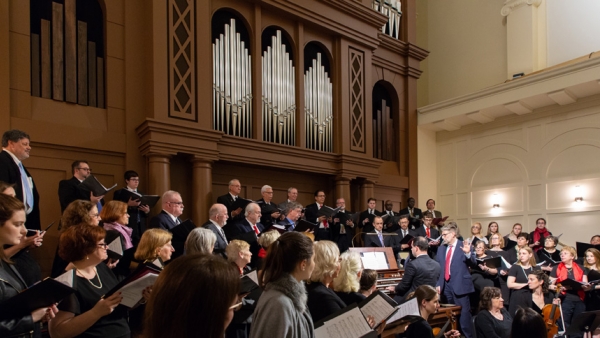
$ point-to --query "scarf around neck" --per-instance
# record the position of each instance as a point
(123, 230)
(562, 273)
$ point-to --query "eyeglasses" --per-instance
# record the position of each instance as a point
(86, 169)
(445, 234)
(103, 245)
(134, 179)
(95, 215)
(178, 203)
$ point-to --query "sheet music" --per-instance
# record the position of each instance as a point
(410, 308)
(253, 276)
(351, 324)
(508, 265)
(66, 278)
(378, 308)
(374, 260)
(157, 263)
(115, 246)
(132, 292)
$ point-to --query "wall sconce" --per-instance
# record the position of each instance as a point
(578, 194)
(495, 201)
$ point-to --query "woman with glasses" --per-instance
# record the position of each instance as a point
(537, 236)
(86, 313)
(493, 321)
(115, 221)
(77, 212)
(482, 275)
(476, 235)
(549, 255)
(12, 230)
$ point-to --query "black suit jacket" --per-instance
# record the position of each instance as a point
(420, 231)
(322, 301)
(421, 270)
(228, 201)
(416, 220)
(311, 214)
(388, 222)
(10, 173)
(137, 218)
(266, 219)
(372, 240)
(221, 242)
(336, 227)
(245, 232)
(368, 226)
(162, 221)
(69, 191)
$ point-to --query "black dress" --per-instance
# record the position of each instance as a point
(520, 297)
(322, 301)
(351, 297)
(592, 297)
(420, 329)
(87, 294)
(548, 257)
(11, 283)
(488, 326)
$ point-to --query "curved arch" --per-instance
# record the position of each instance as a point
(563, 142)
(286, 39)
(311, 48)
(498, 156)
(223, 16)
(568, 162)
(386, 136)
(487, 148)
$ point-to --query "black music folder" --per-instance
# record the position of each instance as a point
(584, 322)
(267, 209)
(327, 211)
(183, 229)
(92, 184)
(132, 286)
(582, 247)
(249, 282)
(149, 200)
(407, 239)
(40, 295)
(491, 262)
(575, 285)
(548, 262)
(240, 203)
(438, 220)
(304, 225)
(115, 248)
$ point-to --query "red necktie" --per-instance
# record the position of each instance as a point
(447, 270)
(325, 225)
(428, 233)
(255, 229)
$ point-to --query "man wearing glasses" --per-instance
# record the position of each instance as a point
(455, 283)
(172, 208)
(71, 190)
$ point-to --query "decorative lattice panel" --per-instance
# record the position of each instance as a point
(357, 100)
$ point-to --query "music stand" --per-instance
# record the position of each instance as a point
(584, 323)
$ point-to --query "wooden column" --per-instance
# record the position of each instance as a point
(201, 189)
(367, 190)
(342, 190)
(159, 176)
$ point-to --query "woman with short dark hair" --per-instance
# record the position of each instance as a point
(281, 310)
(429, 302)
(116, 223)
(86, 313)
(194, 296)
(528, 324)
(493, 321)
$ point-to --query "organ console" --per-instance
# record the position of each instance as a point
(388, 273)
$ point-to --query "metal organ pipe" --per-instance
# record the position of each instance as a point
(318, 107)
(232, 79)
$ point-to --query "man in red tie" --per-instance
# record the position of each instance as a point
(311, 214)
(455, 283)
(248, 229)
(429, 232)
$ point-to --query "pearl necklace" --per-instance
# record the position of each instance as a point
(89, 280)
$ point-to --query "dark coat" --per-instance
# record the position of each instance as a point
(10, 173)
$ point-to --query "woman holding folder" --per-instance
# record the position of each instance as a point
(86, 313)
(429, 302)
(518, 278)
(116, 223)
(12, 229)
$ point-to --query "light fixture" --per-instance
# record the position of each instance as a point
(578, 194)
(495, 201)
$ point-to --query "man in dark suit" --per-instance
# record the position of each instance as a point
(311, 214)
(376, 237)
(430, 232)
(270, 212)
(15, 149)
(415, 214)
(172, 208)
(292, 195)
(455, 283)
(404, 231)
(366, 217)
(291, 213)
(434, 213)
(137, 212)
(389, 214)
(217, 218)
(235, 187)
(248, 230)
(342, 230)
(71, 190)
(420, 270)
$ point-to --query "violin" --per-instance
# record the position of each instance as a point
(551, 315)
(437, 332)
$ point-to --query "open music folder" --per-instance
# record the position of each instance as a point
(92, 183)
(132, 286)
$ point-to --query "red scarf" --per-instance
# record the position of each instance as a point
(562, 274)
(538, 234)
(262, 253)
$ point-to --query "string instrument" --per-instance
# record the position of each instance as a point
(437, 332)
(551, 315)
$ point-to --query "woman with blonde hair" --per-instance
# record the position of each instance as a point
(592, 262)
(322, 301)
(518, 280)
(492, 229)
(155, 247)
(572, 303)
(265, 240)
(347, 284)
(476, 235)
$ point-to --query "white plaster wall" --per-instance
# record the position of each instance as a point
(531, 164)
